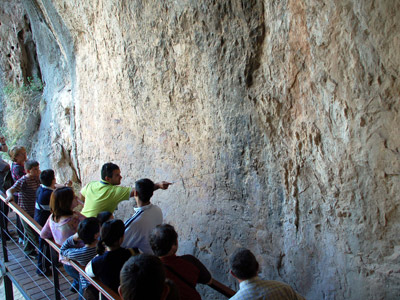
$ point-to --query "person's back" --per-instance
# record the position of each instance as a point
(143, 278)
(88, 233)
(147, 216)
(63, 222)
(186, 270)
(244, 267)
(107, 265)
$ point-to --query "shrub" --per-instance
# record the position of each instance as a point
(21, 112)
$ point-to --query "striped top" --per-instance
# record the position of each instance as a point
(26, 187)
(82, 255)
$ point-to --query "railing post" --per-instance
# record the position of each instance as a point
(54, 263)
(3, 224)
(8, 288)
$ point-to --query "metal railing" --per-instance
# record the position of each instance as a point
(55, 251)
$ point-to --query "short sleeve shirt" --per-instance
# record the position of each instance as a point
(103, 196)
(27, 186)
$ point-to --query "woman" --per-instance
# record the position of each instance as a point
(63, 223)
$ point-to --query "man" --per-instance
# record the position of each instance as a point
(143, 277)
(146, 217)
(244, 267)
(186, 270)
(106, 194)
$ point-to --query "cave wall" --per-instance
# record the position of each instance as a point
(277, 121)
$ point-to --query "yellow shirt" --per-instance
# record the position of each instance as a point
(102, 196)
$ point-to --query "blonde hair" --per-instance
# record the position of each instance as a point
(15, 151)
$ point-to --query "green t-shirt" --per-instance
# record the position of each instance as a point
(102, 196)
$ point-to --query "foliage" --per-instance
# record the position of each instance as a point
(21, 111)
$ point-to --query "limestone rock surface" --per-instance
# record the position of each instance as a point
(278, 122)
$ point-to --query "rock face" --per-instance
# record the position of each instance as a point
(277, 120)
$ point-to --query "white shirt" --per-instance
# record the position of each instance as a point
(139, 227)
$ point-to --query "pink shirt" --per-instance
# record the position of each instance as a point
(62, 230)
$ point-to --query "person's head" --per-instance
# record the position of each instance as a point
(88, 230)
(162, 239)
(32, 168)
(104, 216)
(47, 177)
(144, 189)
(243, 264)
(142, 277)
(111, 173)
(61, 201)
(111, 235)
(18, 154)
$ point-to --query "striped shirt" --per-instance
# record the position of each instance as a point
(258, 289)
(26, 186)
(82, 255)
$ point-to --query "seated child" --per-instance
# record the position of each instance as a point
(107, 265)
(26, 186)
(88, 232)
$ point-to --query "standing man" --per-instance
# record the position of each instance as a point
(147, 216)
(106, 194)
(244, 267)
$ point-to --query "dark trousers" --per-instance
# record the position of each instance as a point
(44, 258)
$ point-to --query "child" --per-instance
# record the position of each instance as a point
(18, 157)
(88, 232)
(62, 223)
(108, 264)
(27, 186)
(42, 213)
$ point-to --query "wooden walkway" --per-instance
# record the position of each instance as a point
(23, 270)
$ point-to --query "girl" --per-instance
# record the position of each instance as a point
(63, 223)
(107, 265)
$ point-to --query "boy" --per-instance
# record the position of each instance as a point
(88, 233)
(42, 213)
(26, 186)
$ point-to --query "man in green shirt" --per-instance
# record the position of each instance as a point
(106, 194)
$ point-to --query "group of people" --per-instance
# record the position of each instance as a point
(136, 258)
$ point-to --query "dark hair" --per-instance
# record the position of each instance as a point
(46, 177)
(29, 164)
(144, 188)
(142, 277)
(87, 229)
(60, 202)
(107, 170)
(104, 216)
(110, 234)
(162, 238)
(243, 264)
